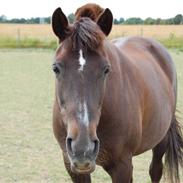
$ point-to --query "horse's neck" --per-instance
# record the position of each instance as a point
(123, 70)
(117, 58)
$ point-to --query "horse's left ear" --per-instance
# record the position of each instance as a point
(60, 24)
(105, 21)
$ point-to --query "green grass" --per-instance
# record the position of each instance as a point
(173, 42)
(29, 152)
(9, 42)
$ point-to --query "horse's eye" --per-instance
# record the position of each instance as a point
(56, 68)
(106, 69)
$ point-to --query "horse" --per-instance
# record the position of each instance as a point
(113, 100)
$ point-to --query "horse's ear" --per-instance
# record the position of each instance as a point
(60, 24)
(105, 21)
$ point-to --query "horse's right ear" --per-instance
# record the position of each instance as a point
(60, 24)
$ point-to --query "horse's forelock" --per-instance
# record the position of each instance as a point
(87, 35)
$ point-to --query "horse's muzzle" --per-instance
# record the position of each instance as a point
(82, 167)
(82, 156)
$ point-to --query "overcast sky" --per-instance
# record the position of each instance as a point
(123, 8)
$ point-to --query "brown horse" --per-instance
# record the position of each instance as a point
(114, 100)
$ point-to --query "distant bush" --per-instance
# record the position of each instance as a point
(134, 21)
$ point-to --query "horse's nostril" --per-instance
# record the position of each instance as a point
(69, 145)
(96, 147)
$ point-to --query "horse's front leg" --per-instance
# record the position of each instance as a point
(121, 172)
(76, 178)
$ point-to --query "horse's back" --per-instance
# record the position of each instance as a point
(157, 77)
(150, 58)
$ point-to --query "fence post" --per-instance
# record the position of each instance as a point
(18, 38)
(141, 31)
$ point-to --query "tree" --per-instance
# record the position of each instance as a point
(47, 20)
(18, 21)
(158, 21)
(115, 21)
(3, 18)
(149, 21)
(169, 21)
(134, 20)
(71, 17)
(121, 20)
(178, 19)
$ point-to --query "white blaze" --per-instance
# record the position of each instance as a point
(83, 108)
(82, 61)
(83, 113)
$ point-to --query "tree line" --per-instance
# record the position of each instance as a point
(178, 19)
(36, 20)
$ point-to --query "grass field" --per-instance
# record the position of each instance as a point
(28, 150)
(22, 35)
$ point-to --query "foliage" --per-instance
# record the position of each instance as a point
(36, 20)
(178, 19)
(71, 17)
(169, 21)
(149, 21)
(134, 20)
(119, 21)
(3, 19)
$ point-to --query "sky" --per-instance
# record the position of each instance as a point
(122, 8)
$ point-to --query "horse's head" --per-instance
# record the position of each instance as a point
(81, 68)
